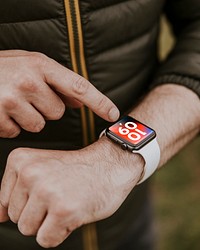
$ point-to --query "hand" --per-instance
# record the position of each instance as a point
(34, 88)
(55, 191)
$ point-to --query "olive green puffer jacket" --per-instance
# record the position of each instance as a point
(113, 43)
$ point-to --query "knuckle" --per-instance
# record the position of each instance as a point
(74, 225)
(9, 102)
(102, 103)
(63, 210)
(58, 112)
(38, 56)
(24, 174)
(27, 84)
(45, 242)
(44, 191)
(14, 133)
(10, 132)
(36, 126)
(4, 203)
(39, 59)
(12, 215)
(80, 85)
(27, 174)
(18, 155)
(24, 229)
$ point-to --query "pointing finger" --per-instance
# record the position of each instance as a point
(71, 84)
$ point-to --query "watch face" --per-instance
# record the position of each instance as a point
(131, 133)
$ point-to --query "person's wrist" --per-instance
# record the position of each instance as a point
(105, 150)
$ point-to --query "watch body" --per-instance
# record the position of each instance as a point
(136, 137)
(130, 133)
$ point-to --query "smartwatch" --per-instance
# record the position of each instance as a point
(137, 138)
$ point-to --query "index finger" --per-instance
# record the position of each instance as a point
(71, 84)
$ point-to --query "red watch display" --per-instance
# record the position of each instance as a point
(130, 133)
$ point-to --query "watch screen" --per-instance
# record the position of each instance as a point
(132, 131)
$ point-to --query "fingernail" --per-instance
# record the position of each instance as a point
(113, 114)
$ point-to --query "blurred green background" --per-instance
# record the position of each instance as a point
(176, 188)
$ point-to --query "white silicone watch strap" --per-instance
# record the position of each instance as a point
(151, 154)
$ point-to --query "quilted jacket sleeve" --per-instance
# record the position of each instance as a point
(183, 64)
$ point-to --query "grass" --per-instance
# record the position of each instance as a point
(176, 192)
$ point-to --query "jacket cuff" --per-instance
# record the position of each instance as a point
(188, 82)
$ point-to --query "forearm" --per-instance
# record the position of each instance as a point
(173, 111)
